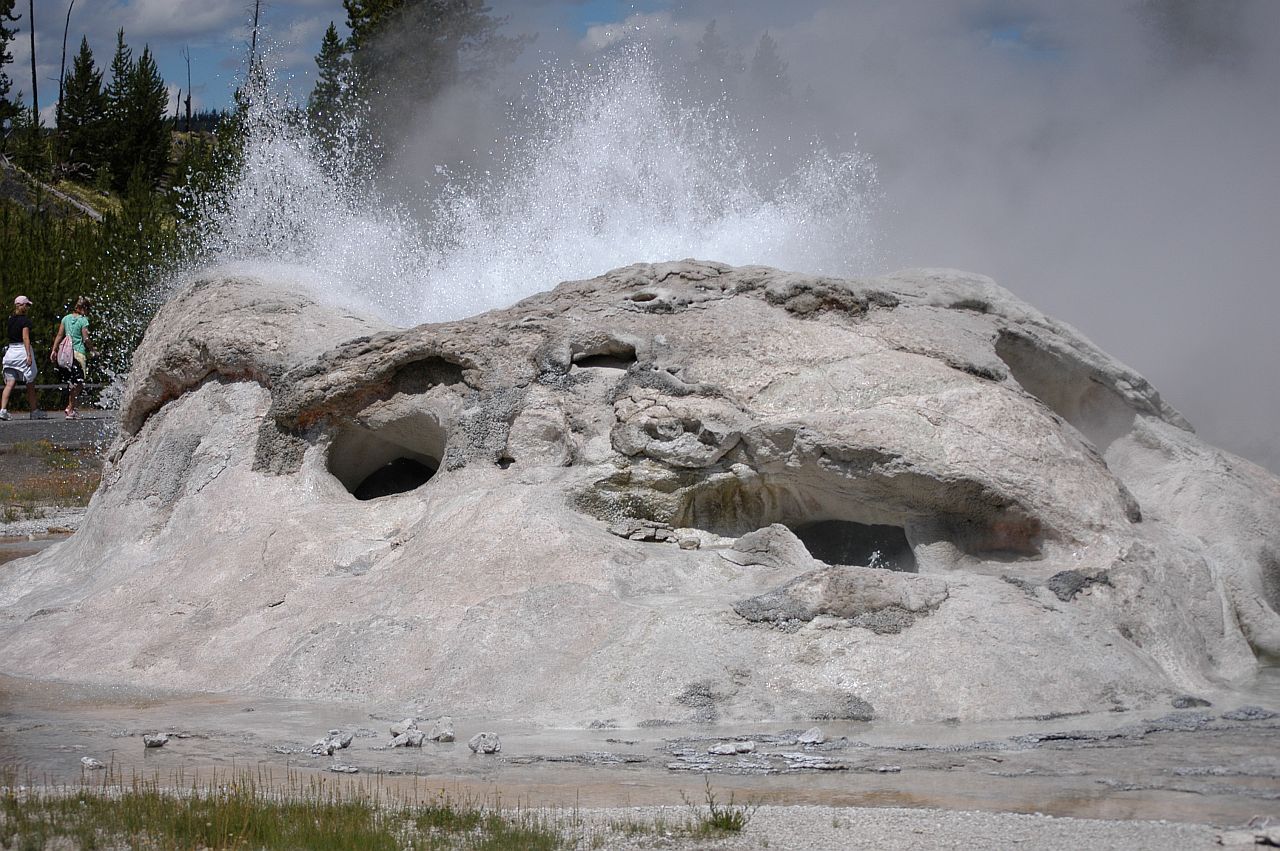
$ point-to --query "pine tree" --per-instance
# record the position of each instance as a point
(329, 100)
(367, 19)
(117, 112)
(137, 117)
(8, 107)
(711, 67)
(149, 125)
(768, 74)
(26, 142)
(411, 50)
(84, 107)
(712, 53)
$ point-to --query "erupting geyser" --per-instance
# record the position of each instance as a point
(677, 491)
(606, 168)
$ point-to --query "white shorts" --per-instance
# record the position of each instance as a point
(15, 364)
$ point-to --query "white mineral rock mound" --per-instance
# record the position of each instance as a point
(970, 510)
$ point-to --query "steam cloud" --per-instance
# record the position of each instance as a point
(1114, 163)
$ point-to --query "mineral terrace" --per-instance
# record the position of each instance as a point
(677, 492)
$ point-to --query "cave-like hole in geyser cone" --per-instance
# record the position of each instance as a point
(392, 458)
(843, 542)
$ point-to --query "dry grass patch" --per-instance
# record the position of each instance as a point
(37, 475)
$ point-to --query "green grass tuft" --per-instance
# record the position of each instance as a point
(718, 818)
(249, 813)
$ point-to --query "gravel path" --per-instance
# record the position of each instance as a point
(60, 520)
(92, 427)
(885, 829)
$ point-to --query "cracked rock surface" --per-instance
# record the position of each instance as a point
(907, 497)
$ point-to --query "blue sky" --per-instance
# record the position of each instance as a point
(216, 34)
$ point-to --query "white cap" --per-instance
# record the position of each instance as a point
(22, 300)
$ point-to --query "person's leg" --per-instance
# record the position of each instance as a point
(31, 397)
(73, 387)
(64, 378)
(9, 381)
(77, 381)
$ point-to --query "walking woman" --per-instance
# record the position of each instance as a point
(76, 326)
(19, 359)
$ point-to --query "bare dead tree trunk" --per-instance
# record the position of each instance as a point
(62, 69)
(35, 98)
(186, 54)
(253, 37)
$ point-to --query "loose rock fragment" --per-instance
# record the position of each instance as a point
(408, 739)
(322, 747)
(343, 768)
(155, 740)
(91, 763)
(404, 726)
(441, 730)
(812, 736)
(335, 741)
(643, 530)
(1068, 583)
(485, 743)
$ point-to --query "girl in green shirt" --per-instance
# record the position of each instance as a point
(76, 326)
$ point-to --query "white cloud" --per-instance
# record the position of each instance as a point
(297, 46)
(156, 19)
(651, 26)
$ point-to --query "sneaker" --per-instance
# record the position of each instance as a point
(39, 415)
(4, 415)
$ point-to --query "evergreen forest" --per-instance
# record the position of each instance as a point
(94, 204)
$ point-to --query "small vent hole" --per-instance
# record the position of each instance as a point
(604, 362)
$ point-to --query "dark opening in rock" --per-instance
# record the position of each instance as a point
(610, 355)
(843, 542)
(604, 362)
(505, 461)
(393, 457)
(398, 476)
